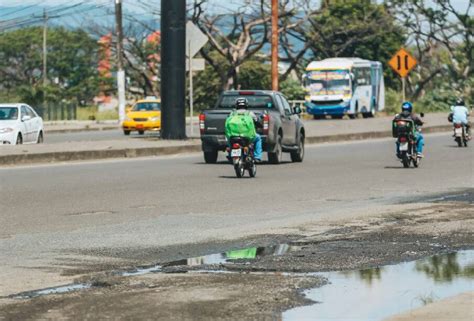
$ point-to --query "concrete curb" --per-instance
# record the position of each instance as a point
(66, 156)
(368, 135)
(75, 130)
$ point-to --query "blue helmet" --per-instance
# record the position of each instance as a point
(407, 107)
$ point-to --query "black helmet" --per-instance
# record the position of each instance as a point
(459, 101)
(241, 103)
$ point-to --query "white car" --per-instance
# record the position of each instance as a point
(20, 124)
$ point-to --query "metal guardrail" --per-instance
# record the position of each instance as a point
(57, 111)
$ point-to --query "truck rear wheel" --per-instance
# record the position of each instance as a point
(211, 157)
(275, 157)
(298, 155)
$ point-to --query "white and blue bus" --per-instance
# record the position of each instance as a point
(344, 86)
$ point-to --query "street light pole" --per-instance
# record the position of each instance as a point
(275, 45)
(120, 70)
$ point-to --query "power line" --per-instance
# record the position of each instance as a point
(57, 12)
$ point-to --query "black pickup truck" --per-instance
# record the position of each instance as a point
(281, 128)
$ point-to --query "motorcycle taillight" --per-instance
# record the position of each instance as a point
(457, 125)
(235, 146)
(403, 139)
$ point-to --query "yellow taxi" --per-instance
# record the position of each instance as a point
(144, 115)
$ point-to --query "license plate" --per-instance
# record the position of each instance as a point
(458, 132)
(236, 153)
(403, 147)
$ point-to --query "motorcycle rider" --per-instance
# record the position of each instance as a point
(242, 105)
(407, 113)
(460, 115)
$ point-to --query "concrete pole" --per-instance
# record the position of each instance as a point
(191, 91)
(45, 50)
(120, 70)
(173, 69)
(275, 45)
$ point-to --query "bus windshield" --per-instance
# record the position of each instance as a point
(328, 82)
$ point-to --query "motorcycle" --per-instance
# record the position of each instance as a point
(405, 132)
(242, 155)
(460, 134)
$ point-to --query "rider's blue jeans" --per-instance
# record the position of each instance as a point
(420, 142)
(258, 147)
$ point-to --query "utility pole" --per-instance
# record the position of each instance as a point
(45, 52)
(275, 45)
(120, 70)
(173, 69)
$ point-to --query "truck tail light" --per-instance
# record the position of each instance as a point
(266, 124)
(202, 125)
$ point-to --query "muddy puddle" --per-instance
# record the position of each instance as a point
(378, 293)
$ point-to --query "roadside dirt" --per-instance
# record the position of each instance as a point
(260, 289)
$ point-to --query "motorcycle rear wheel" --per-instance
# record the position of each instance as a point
(459, 141)
(239, 169)
(405, 160)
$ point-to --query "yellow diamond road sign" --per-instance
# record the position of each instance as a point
(402, 63)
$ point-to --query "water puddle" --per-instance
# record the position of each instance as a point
(54, 290)
(378, 293)
(142, 271)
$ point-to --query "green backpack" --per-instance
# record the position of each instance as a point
(240, 124)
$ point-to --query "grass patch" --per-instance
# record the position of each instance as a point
(92, 113)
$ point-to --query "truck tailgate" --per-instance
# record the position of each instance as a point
(215, 121)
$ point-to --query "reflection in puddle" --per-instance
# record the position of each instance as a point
(241, 254)
(375, 294)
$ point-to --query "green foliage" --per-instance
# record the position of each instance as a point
(255, 74)
(292, 89)
(393, 101)
(355, 28)
(72, 62)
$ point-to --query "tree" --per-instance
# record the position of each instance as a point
(72, 64)
(441, 34)
(351, 28)
(236, 36)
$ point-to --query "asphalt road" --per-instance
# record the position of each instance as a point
(51, 215)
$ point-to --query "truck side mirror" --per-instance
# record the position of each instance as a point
(297, 110)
